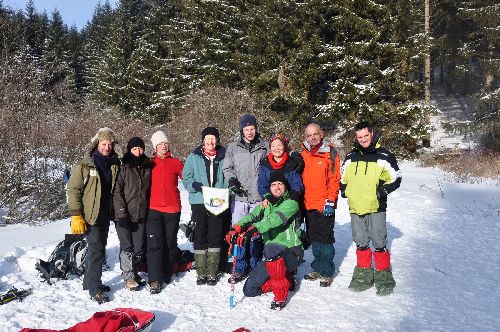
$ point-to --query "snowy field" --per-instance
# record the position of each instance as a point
(444, 240)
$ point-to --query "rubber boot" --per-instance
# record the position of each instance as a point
(200, 261)
(384, 281)
(362, 277)
(213, 257)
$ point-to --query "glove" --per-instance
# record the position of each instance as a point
(78, 225)
(239, 228)
(196, 186)
(247, 236)
(329, 209)
(297, 162)
(231, 237)
(342, 193)
(382, 192)
(236, 188)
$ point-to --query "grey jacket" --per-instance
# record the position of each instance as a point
(242, 162)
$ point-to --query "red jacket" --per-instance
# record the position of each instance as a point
(319, 181)
(165, 196)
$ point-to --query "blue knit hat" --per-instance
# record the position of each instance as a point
(247, 119)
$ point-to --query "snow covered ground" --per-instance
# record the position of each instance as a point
(444, 240)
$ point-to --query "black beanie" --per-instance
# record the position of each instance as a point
(210, 131)
(247, 120)
(278, 176)
(135, 142)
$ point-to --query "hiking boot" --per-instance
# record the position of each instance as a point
(278, 305)
(100, 297)
(211, 281)
(131, 284)
(313, 275)
(325, 281)
(141, 282)
(201, 280)
(384, 282)
(362, 279)
(238, 277)
(105, 288)
(154, 287)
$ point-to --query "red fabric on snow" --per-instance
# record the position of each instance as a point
(364, 258)
(123, 319)
(382, 260)
(277, 278)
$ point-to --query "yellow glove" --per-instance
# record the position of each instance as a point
(78, 225)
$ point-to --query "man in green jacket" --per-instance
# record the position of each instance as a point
(278, 224)
(89, 193)
(369, 173)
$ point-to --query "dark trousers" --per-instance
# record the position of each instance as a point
(321, 234)
(97, 238)
(259, 275)
(161, 232)
(208, 232)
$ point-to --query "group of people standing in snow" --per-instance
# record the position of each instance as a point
(273, 193)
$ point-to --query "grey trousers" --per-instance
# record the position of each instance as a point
(369, 227)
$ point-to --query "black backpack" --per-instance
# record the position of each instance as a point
(67, 259)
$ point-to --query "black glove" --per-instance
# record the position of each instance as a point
(382, 192)
(297, 163)
(342, 193)
(235, 187)
(196, 186)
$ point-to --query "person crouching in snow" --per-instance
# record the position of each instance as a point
(131, 203)
(279, 226)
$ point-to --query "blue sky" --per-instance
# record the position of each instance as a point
(73, 12)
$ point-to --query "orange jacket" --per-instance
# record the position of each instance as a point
(319, 181)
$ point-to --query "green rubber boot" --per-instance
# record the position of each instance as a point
(384, 282)
(362, 279)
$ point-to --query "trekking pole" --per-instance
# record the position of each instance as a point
(233, 276)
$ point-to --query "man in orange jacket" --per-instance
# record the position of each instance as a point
(321, 179)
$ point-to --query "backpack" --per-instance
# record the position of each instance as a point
(67, 259)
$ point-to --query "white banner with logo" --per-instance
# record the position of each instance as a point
(216, 200)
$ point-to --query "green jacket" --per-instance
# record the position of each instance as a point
(368, 176)
(84, 188)
(278, 223)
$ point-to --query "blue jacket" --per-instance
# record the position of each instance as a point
(197, 168)
(292, 176)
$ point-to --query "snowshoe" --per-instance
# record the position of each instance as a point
(14, 294)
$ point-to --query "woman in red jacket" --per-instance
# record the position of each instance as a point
(164, 213)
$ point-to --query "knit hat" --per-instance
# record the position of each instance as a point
(103, 134)
(282, 137)
(210, 131)
(279, 177)
(135, 142)
(158, 137)
(247, 120)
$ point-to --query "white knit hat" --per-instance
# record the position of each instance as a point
(158, 137)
